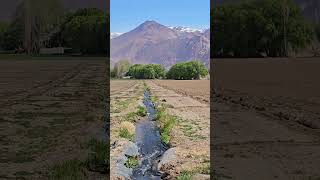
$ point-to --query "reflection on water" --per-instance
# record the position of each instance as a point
(149, 142)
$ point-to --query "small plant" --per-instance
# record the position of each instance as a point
(132, 162)
(124, 133)
(142, 111)
(68, 170)
(167, 127)
(131, 117)
(185, 175)
(99, 156)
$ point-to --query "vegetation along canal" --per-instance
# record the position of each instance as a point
(149, 143)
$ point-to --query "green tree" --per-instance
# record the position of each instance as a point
(121, 68)
(149, 71)
(187, 71)
(256, 27)
(84, 30)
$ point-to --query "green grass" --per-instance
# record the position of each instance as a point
(185, 175)
(124, 133)
(98, 158)
(131, 117)
(132, 162)
(142, 111)
(68, 170)
(167, 123)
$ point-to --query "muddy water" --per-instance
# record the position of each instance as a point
(149, 142)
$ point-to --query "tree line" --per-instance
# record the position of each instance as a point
(181, 71)
(259, 28)
(84, 30)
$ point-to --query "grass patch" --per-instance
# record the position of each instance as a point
(185, 175)
(142, 111)
(124, 133)
(167, 127)
(98, 158)
(68, 170)
(132, 162)
(167, 122)
(131, 117)
(154, 99)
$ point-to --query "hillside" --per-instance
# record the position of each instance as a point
(152, 42)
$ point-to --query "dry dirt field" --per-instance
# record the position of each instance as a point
(189, 102)
(266, 118)
(199, 90)
(50, 110)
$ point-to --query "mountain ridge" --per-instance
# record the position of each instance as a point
(152, 42)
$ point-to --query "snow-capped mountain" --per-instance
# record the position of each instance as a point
(152, 42)
(114, 35)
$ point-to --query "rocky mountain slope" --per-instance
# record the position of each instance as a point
(152, 42)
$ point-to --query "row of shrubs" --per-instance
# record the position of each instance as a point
(180, 71)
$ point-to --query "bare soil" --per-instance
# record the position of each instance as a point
(191, 135)
(50, 109)
(266, 118)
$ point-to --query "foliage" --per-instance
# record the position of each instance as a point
(68, 170)
(253, 28)
(12, 35)
(3, 29)
(124, 133)
(121, 68)
(132, 162)
(142, 111)
(99, 157)
(85, 30)
(187, 70)
(149, 71)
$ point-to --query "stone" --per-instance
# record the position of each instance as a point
(169, 157)
(201, 177)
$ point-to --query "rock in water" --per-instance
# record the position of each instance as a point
(168, 158)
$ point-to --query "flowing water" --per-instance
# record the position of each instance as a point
(149, 142)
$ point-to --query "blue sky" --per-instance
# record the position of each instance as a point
(127, 14)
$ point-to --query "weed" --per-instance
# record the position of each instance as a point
(98, 158)
(142, 111)
(131, 117)
(132, 162)
(185, 175)
(124, 133)
(68, 170)
(167, 127)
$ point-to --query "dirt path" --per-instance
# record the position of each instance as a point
(249, 145)
(190, 135)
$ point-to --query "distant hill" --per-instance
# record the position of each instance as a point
(152, 42)
(310, 8)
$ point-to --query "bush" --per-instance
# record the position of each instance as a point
(187, 71)
(149, 71)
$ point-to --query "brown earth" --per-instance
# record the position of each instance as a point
(125, 97)
(266, 118)
(50, 109)
(191, 134)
